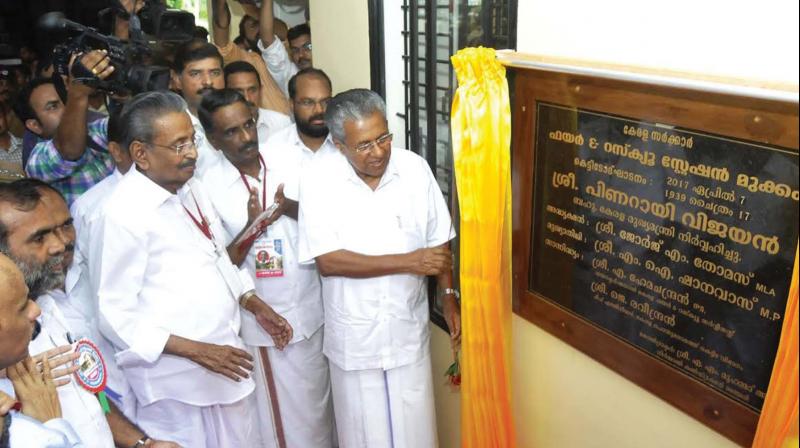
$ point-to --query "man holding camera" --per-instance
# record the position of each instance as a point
(72, 155)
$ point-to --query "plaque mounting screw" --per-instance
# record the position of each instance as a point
(577, 89)
(524, 108)
(563, 325)
(716, 413)
(757, 119)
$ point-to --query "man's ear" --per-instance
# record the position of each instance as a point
(139, 155)
(175, 79)
(33, 125)
(339, 145)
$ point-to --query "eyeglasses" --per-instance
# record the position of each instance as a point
(181, 148)
(305, 47)
(309, 103)
(383, 141)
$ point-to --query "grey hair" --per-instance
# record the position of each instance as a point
(355, 105)
(137, 117)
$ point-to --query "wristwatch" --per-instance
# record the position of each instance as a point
(448, 291)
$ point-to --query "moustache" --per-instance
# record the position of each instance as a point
(249, 147)
(204, 90)
(320, 117)
(188, 163)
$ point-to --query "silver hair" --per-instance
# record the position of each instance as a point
(137, 117)
(355, 104)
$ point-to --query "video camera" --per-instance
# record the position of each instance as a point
(133, 72)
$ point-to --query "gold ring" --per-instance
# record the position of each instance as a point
(94, 71)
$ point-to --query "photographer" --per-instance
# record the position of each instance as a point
(272, 97)
(72, 156)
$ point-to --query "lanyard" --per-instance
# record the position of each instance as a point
(201, 223)
(263, 183)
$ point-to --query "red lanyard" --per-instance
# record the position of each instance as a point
(263, 183)
(201, 223)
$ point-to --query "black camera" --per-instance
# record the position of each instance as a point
(133, 72)
(166, 25)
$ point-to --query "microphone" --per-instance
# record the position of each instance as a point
(55, 21)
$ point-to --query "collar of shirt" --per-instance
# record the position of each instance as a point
(231, 175)
(390, 173)
(295, 139)
(153, 194)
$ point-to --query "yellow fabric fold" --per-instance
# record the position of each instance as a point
(481, 135)
(777, 426)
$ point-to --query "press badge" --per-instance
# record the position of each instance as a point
(269, 257)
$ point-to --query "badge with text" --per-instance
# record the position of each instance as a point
(269, 257)
(91, 374)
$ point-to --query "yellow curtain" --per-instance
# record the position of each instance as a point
(481, 130)
(777, 427)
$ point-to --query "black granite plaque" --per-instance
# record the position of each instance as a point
(678, 242)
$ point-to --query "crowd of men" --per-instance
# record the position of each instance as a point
(238, 261)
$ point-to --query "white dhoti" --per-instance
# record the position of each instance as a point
(216, 426)
(299, 413)
(385, 408)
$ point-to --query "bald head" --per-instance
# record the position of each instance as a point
(17, 314)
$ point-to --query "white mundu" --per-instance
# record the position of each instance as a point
(78, 406)
(299, 373)
(376, 329)
(162, 276)
(80, 311)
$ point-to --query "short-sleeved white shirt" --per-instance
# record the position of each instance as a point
(379, 322)
(287, 139)
(269, 122)
(296, 294)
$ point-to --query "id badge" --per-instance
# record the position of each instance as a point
(269, 257)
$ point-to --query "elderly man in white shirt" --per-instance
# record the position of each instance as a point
(310, 91)
(291, 383)
(242, 77)
(40, 239)
(169, 295)
(376, 223)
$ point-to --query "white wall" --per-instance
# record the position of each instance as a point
(341, 41)
(742, 39)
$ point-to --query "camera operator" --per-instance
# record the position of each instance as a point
(272, 97)
(72, 155)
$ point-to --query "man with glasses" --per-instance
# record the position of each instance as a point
(309, 91)
(374, 220)
(292, 385)
(169, 296)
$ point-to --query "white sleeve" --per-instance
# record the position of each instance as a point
(124, 256)
(440, 226)
(317, 232)
(278, 63)
(29, 433)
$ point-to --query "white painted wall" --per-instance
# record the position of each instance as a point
(740, 39)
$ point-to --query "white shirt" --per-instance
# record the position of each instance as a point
(83, 276)
(161, 276)
(269, 122)
(207, 155)
(287, 139)
(296, 295)
(26, 432)
(280, 67)
(78, 406)
(379, 322)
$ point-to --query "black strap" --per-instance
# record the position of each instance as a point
(5, 433)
